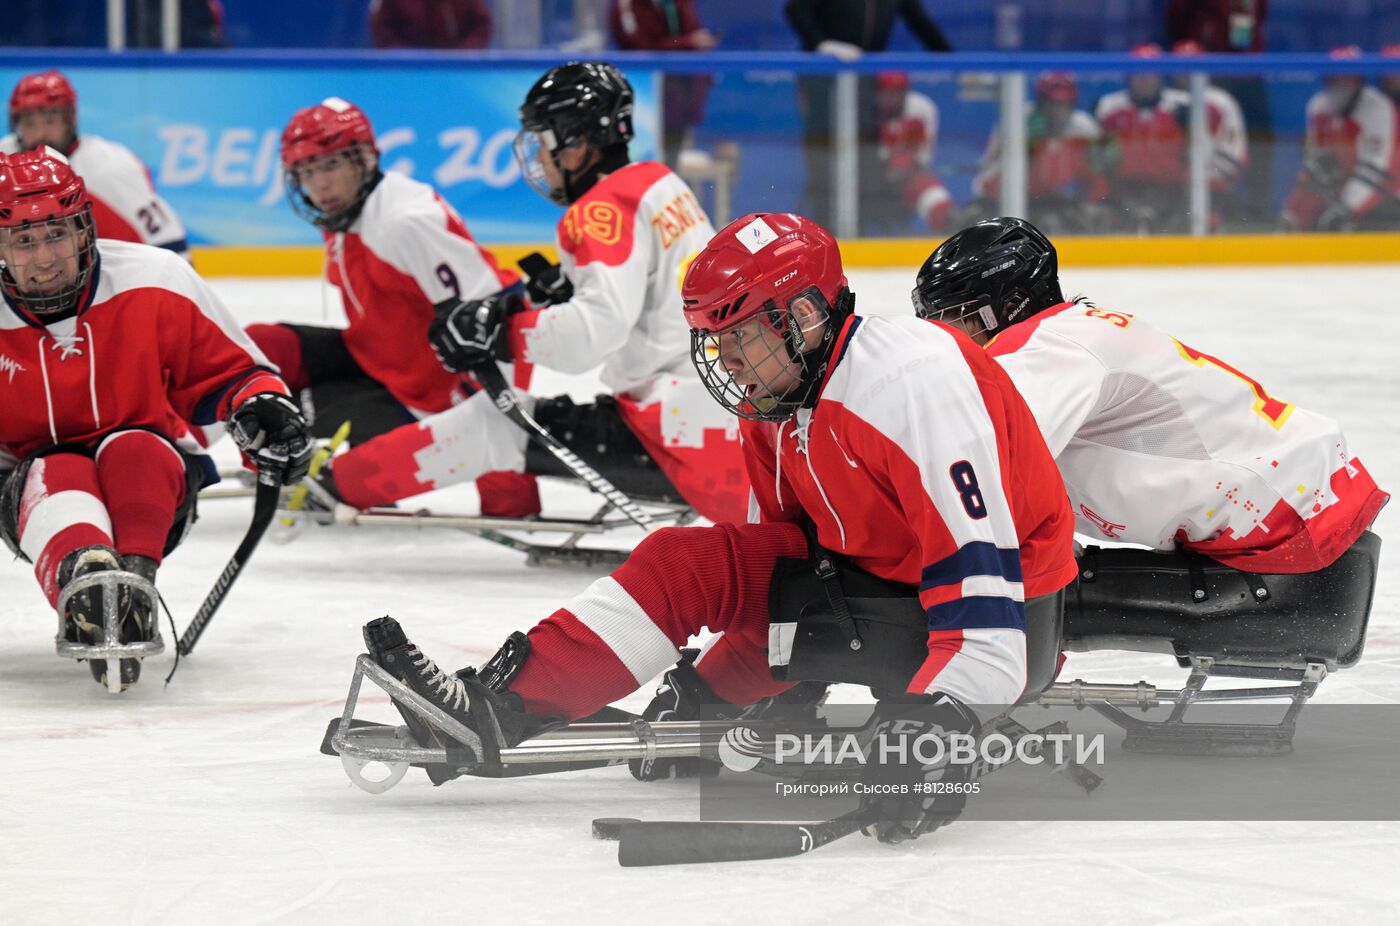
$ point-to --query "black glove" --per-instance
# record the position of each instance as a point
(271, 431)
(914, 797)
(683, 695)
(545, 283)
(469, 335)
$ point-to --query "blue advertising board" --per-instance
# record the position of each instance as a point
(210, 137)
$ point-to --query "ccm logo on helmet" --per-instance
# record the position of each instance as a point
(780, 282)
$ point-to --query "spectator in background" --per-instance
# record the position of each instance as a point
(1146, 125)
(668, 25)
(1229, 147)
(903, 183)
(1065, 185)
(845, 29)
(1235, 27)
(1350, 178)
(429, 24)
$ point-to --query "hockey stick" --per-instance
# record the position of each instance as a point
(264, 508)
(687, 842)
(494, 382)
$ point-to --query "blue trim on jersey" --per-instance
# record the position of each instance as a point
(206, 412)
(180, 247)
(978, 558)
(978, 612)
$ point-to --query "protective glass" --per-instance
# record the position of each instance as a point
(304, 172)
(532, 146)
(754, 368)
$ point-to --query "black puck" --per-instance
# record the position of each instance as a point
(610, 827)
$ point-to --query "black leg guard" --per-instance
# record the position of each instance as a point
(1191, 606)
(838, 623)
(598, 434)
(11, 489)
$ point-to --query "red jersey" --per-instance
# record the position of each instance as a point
(922, 463)
(152, 348)
(1151, 139)
(407, 251)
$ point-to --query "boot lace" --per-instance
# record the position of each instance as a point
(448, 688)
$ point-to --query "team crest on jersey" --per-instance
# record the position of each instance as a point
(10, 366)
(599, 220)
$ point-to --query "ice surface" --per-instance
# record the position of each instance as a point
(206, 802)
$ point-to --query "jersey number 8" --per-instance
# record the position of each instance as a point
(965, 481)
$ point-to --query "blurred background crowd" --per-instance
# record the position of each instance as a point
(1104, 154)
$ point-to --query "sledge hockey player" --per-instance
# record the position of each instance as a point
(1159, 444)
(906, 128)
(624, 241)
(107, 350)
(1065, 184)
(395, 250)
(1229, 142)
(125, 205)
(1146, 127)
(888, 458)
(1350, 179)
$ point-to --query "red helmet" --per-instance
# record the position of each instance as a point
(1146, 50)
(331, 125)
(49, 90)
(1057, 86)
(1188, 47)
(1391, 51)
(39, 189)
(761, 266)
(892, 81)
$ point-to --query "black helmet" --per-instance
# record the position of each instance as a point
(582, 101)
(1000, 270)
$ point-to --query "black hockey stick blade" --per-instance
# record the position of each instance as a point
(264, 508)
(688, 843)
(494, 382)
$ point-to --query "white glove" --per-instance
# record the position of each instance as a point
(841, 51)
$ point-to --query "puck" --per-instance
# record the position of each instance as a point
(610, 827)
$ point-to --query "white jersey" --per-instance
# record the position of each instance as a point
(125, 204)
(624, 246)
(1363, 142)
(1229, 145)
(1162, 445)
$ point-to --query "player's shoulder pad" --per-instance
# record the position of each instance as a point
(882, 351)
(1082, 125)
(127, 266)
(97, 154)
(1111, 102)
(600, 226)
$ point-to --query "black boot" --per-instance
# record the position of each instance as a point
(499, 720)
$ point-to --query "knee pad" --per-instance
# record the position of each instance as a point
(11, 491)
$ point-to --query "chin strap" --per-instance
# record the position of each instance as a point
(815, 362)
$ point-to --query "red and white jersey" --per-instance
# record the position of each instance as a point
(407, 251)
(125, 204)
(921, 463)
(153, 348)
(1162, 445)
(1057, 162)
(1229, 145)
(624, 245)
(1151, 139)
(1362, 140)
(909, 140)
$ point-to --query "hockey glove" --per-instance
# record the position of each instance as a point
(545, 283)
(271, 432)
(913, 787)
(467, 336)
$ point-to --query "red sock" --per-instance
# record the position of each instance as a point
(509, 495)
(283, 348)
(626, 628)
(60, 510)
(143, 480)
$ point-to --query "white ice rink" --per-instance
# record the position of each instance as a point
(207, 802)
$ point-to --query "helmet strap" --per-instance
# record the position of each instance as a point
(816, 361)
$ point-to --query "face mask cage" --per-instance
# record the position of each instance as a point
(335, 220)
(46, 248)
(974, 316)
(532, 146)
(771, 350)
